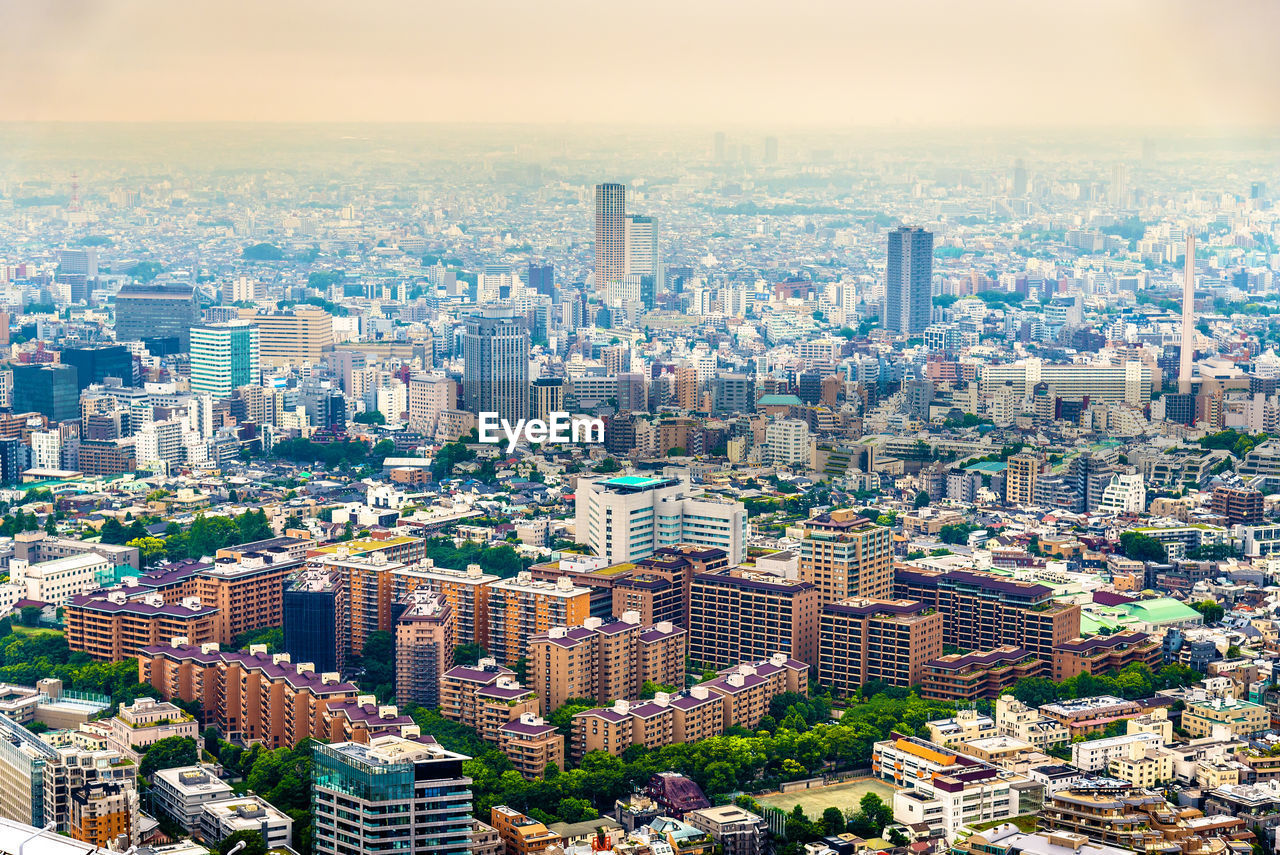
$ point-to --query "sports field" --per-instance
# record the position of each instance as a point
(844, 796)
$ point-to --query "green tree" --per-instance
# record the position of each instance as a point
(252, 840)
(921, 500)
(167, 753)
(379, 662)
(262, 252)
(1211, 611)
(833, 821)
(468, 654)
(370, 417)
(1141, 547)
(150, 549)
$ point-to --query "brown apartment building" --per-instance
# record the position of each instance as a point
(973, 676)
(251, 695)
(520, 834)
(738, 615)
(982, 611)
(424, 646)
(860, 640)
(485, 697)
(1102, 653)
(111, 626)
(605, 660)
(532, 745)
(846, 555)
(1239, 505)
(522, 607)
(739, 697)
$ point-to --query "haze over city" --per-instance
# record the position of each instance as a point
(703, 428)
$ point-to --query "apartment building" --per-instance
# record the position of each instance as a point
(39, 546)
(738, 615)
(1016, 719)
(458, 687)
(1021, 474)
(1131, 817)
(1082, 716)
(104, 813)
(182, 792)
(219, 820)
(846, 555)
(521, 607)
(251, 695)
(56, 581)
(1238, 505)
(1240, 718)
(739, 697)
(466, 592)
(629, 517)
(521, 835)
(748, 688)
(396, 792)
(424, 646)
(1102, 653)
(659, 587)
(977, 676)
(605, 660)
(982, 611)
(142, 723)
(110, 626)
(860, 640)
(532, 745)
(942, 788)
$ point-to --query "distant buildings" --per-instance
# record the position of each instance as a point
(908, 301)
(156, 311)
(224, 357)
(611, 234)
(495, 350)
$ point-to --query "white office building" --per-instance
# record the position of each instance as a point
(627, 518)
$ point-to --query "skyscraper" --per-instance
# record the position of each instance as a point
(908, 303)
(224, 357)
(611, 233)
(495, 373)
(1187, 353)
(641, 246)
(1019, 178)
(718, 145)
(770, 149)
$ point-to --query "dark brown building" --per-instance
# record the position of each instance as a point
(1240, 505)
(973, 676)
(860, 640)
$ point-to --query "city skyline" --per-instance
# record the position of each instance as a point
(823, 64)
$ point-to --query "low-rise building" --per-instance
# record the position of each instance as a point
(221, 819)
(978, 675)
(1240, 718)
(182, 792)
(1086, 715)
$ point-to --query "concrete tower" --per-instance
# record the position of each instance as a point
(1188, 318)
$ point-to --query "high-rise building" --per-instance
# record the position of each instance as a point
(770, 149)
(541, 279)
(908, 300)
(96, 364)
(294, 337)
(394, 793)
(49, 389)
(860, 640)
(495, 372)
(528, 607)
(982, 611)
(846, 555)
(604, 660)
(150, 310)
(548, 397)
(718, 146)
(224, 357)
(1019, 178)
(316, 626)
(738, 615)
(641, 246)
(627, 518)
(424, 647)
(1021, 475)
(611, 234)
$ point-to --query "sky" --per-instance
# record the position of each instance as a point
(1202, 64)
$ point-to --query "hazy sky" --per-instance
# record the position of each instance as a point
(1191, 63)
